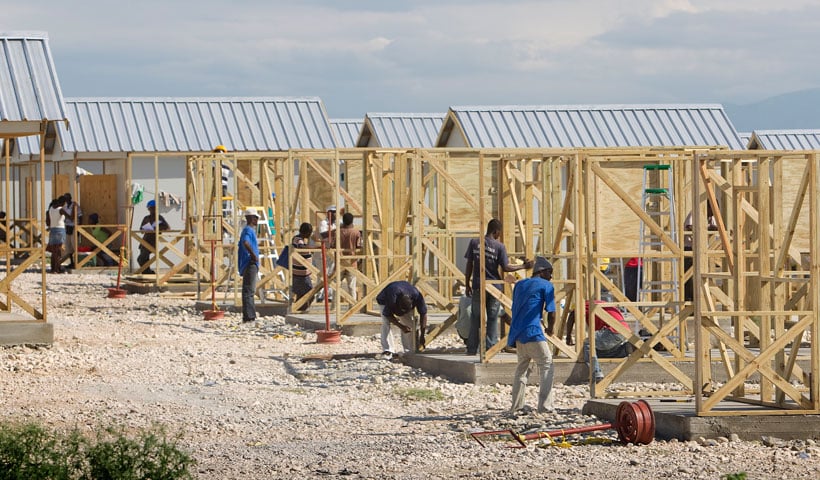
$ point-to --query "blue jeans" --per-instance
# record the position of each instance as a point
(493, 309)
(249, 277)
(608, 344)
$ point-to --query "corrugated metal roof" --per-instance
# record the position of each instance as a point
(29, 89)
(786, 139)
(579, 126)
(744, 138)
(402, 130)
(347, 131)
(264, 124)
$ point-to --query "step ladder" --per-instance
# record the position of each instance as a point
(227, 206)
(658, 272)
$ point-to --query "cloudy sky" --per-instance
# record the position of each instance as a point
(425, 55)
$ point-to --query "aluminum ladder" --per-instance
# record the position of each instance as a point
(658, 271)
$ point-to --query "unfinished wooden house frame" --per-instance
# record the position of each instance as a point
(31, 104)
(761, 276)
(214, 221)
(584, 209)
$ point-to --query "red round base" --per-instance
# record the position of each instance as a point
(328, 336)
(213, 314)
(116, 293)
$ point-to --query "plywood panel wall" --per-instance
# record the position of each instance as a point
(98, 194)
(793, 171)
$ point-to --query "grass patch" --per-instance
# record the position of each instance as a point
(29, 451)
(427, 394)
(734, 476)
(299, 390)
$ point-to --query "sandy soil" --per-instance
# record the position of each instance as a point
(248, 406)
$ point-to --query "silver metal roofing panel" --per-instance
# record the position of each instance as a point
(264, 124)
(29, 89)
(579, 126)
(347, 131)
(744, 138)
(405, 130)
(786, 139)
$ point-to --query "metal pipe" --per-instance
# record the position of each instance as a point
(523, 437)
(324, 286)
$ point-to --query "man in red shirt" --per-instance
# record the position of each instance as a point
(350, 239)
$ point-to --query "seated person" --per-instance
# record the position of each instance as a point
(150, 224)
(101, 234)
(608, 342)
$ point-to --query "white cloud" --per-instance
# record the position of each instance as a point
(428, 53)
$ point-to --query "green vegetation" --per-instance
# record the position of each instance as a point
(734, 476)
(299, 390)
(32, 453)
(420, 394)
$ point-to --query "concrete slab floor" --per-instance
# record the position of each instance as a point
(675, 418)
(358, 325)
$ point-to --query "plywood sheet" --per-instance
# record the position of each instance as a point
(462, 213)
(793, 172)
(618, 227)
(59, 185)
(98, 194)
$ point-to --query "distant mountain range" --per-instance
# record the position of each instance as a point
(796, 110)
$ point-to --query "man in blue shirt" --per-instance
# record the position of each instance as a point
(495, 258)
(531, 297)
(249, 263)
(398, 300)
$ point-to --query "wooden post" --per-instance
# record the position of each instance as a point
(814, 275)
(482, 264)
(703, 371)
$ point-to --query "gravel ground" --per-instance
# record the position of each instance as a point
(248, 406)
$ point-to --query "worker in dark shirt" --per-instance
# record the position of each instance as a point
(397, 300)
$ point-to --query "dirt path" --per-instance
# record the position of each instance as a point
(248, 406)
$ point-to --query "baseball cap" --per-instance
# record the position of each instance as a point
(541, 263)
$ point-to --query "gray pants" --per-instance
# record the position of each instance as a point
(407, 339)
(249, 277)
(540, 353)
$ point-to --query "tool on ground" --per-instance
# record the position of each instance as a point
(327, 335)
(634, 422)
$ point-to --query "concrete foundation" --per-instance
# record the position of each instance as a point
(458, 367)
(360, 325)
(25, 332)
(262, 309)
(675, 418)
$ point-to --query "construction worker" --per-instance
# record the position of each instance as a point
(531, 297)
(150, 224)
(608, 342)
(249, 263)
(226, 170)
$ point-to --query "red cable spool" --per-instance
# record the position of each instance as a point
(635, 423)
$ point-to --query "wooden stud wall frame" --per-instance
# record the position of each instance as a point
(25, 246)
(417, 209)
(756, 295)
(253, 180)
